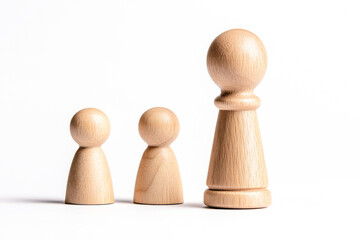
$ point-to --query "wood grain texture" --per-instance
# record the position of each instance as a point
(253, 198)
(159, 126)
(158, 179)
(90, 127)
(237, 176)
(89, 180)
(237, 151)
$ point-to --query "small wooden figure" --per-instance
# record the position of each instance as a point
(237, 176)
(158, 179)
(89, 179)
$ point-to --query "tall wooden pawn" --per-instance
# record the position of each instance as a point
(158, 179)
(89, 179)
(237, 176)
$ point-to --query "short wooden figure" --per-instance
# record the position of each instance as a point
(89, 179)
(158, 179)
(237, 176)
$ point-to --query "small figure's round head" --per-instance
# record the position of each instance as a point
(90, 127)
(159, 126)
(237, 60)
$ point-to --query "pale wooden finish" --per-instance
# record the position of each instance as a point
(89, 179)
(158, 179)
(237, 151)
(252, 198)
(237, 176)
(159, 126)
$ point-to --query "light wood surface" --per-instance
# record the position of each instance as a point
(252, 198)
(158, 179)
(89, 179)
(237, 176)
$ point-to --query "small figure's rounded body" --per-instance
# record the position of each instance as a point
(89, 179)
(158, 179)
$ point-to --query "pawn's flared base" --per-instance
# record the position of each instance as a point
(244, 199)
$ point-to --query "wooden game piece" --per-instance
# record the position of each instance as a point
(158, 179)
(237, 176)
(89, 179)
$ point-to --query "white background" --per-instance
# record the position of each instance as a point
(123, 57)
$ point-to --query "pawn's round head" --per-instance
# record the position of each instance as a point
(90, 127)
(159, 126)
(237, 60)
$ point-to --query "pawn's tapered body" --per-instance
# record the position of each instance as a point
(158, 179)
(237, 176)
(237, 151)
(89, 180)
